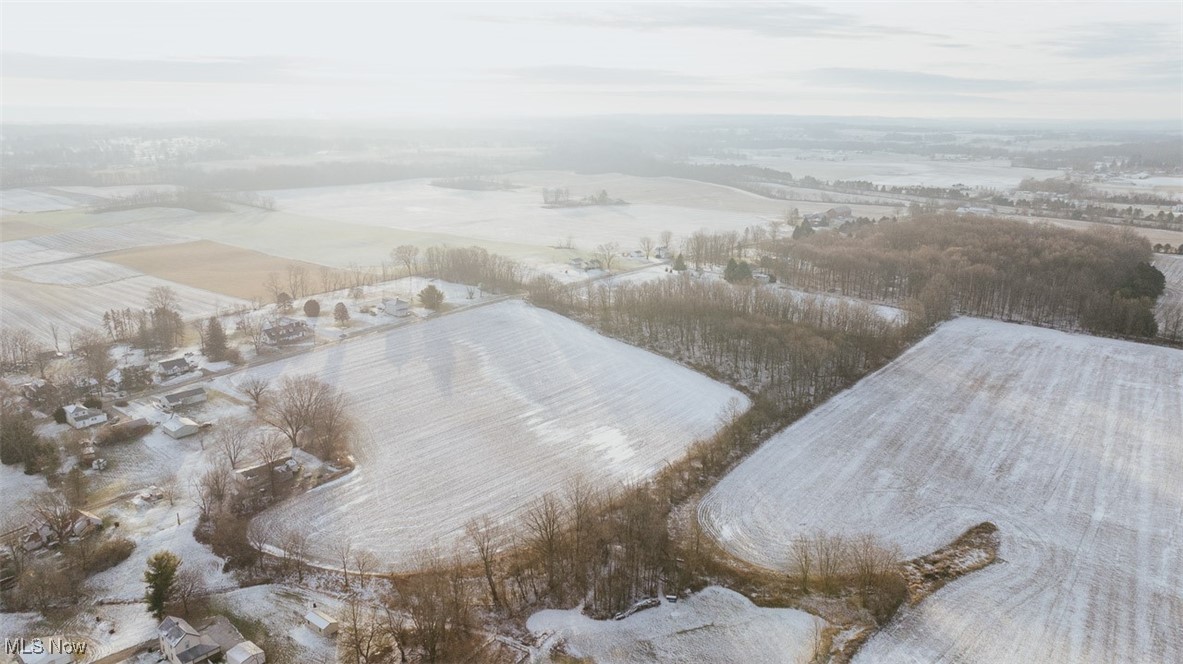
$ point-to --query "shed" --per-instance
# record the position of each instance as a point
(397, 307)
(179, 427)
(37, 651)
(246, 653)
(320, 623)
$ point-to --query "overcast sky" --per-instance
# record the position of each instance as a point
(102, 62)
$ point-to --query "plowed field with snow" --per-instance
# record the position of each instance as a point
(1072, 445)
(479, 412)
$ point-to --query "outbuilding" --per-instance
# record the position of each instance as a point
(246, 653)
(180, 427)
(321, 623)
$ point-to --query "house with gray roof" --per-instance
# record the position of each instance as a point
(181, 644)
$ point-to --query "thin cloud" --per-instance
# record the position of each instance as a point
(1119, 39)
(604, 76)
(206, 70)
(914, 81)
(773, 20)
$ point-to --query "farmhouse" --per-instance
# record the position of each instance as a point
(180, 427)
(840, 213)
(184, 397)
(285, 331)
(181, 644)
(81, 417)
(173, 368)
(397, 307)
(321, 623)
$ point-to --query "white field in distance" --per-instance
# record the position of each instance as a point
(1071, 444)
(480, 412)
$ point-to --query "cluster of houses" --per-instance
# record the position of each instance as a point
(40, 535)
(219, 641)
(181, 643)
(835, 216)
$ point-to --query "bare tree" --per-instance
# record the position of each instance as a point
(364, 562)
(294, 544)
(544, 525)
(297, 280)
(255, 387)
(647, 246)
(666, 238)
(209, 490)
(273, 286)
(252, 329)
(364, 637)
(606, 254)
(270, 449)
(344, 549)
(801, 556)
(233, 439)
(54, 511)
(408, 255)
(486, 538)
(188, 586)
(163, 297)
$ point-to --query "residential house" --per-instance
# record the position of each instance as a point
(180, 427)
(230, 641)
(253, 485)
(593, 264)
(184, 397)
(181, 644)
(173, 368)
(285, 331)
(397, 307)
(81, 417)
(320, 623)
(840, 213)
(41, 534)
(662, 253)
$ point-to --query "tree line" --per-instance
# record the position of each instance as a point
(1099, 280)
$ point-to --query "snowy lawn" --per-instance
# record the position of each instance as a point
(481, 411)
(1070, 444)
(715, 625)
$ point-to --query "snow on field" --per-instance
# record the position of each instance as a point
(27, 200)
(715, 625)
(1069, 443)
(505, 216)
(480, 412)
(83, 272)
(14, 481)
(1172, 269)
(20, 253)
(890, 168)
(36, 305)
(90, 241)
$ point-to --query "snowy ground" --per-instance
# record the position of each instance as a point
(1172, 299)
(890, 168)
(482, 411)
(281, 610)
(715, 625)
(1069, 443)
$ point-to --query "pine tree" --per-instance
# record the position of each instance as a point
(431, 297)
(341, 313)
(160, 576)
(215, 339)
(680, 264)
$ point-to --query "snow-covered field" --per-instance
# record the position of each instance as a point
(715, 625)
(28, 200)
(1171, 268)
(281, 610)
(481, 411)
(1070, 444)
(35, 306)
(890, 168)
(82, 272)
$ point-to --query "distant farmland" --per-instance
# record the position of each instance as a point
(1070, 444)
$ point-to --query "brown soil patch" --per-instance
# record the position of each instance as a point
(212, 266)
(975, 549)
(20, 230)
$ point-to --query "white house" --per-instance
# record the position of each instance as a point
(81, 417)
(321, 623)
(181, 644)
(246, 653)
(179, 427)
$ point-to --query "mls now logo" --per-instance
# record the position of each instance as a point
(43, 647)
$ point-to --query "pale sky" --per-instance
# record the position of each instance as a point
(101, 62)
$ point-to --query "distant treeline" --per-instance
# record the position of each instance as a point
(1100, 281)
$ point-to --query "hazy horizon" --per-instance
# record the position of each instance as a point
(135, 63)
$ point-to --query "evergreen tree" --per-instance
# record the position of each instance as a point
(341, 313)
(161, 577)
(312, 308)
(680, 264)
(431, 297)
(215, 339)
